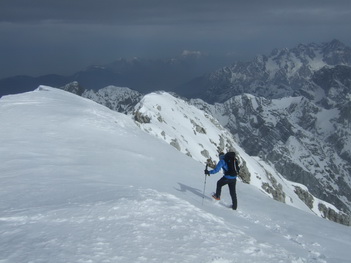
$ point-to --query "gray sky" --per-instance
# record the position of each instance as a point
(63, 36)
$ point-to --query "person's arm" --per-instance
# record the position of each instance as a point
(218, 167)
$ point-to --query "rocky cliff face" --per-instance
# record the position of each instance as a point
(115, 98)
(74, 87)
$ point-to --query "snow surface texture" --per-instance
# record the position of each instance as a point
(81, 183)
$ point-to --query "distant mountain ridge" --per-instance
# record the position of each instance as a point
(142, 75)
(285, 72)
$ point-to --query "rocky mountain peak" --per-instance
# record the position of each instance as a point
(334, 46)
(285, 72)
(73, 87)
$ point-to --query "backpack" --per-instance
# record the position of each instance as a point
(232, 163)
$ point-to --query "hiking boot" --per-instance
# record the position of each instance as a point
(233, 207)
(215, 197)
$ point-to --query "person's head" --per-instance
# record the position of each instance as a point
(221, 155)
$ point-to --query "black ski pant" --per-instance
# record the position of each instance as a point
(232, 185)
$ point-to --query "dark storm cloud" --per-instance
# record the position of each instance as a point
(171, 11)
(74, 33)
(164, 11)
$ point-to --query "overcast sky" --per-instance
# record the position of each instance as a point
(63, 36)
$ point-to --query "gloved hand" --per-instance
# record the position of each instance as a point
(207, 172)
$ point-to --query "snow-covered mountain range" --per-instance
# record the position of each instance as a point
(303, 70)
(201, 136)
(194, 128)
(301, 128)
(82, 183)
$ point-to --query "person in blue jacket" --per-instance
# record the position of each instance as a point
(229, 178)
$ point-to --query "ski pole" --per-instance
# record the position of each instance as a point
(203, 194)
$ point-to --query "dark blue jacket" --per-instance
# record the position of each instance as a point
(222, 164)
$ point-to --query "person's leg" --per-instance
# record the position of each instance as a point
(220, 183)
(232, 191)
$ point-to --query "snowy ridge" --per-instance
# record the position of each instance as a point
(182, 125)
(294, 135)
(200, 136)
(93, 187)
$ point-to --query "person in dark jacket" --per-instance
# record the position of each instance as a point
(229, 178)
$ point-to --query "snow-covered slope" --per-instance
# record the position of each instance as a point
(197, 134)
(303, 141)
(182, 125)
(81, 183)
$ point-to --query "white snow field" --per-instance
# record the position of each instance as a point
(81, 183)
